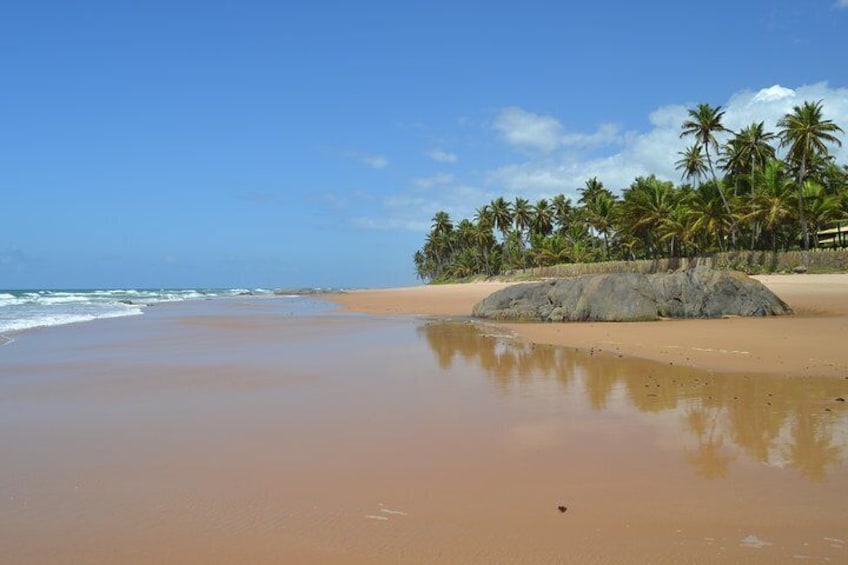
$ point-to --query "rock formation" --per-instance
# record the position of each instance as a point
(616, 297)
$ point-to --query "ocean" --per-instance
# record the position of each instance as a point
(25, 309)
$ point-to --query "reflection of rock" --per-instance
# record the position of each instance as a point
(695, 293)
(773, 420)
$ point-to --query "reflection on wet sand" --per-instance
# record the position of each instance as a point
(794, 423)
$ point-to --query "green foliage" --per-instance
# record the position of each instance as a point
(761, 205)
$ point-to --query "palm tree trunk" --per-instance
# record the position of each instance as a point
(721, 193)
(805, 236)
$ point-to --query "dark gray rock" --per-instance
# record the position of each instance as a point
(616, 297)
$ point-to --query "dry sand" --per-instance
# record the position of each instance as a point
(811, 342)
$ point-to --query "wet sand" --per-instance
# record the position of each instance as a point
(809, 343)
(262, 431)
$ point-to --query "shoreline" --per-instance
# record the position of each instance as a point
(807, 343)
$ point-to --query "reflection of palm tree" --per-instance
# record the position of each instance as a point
(812, 448)
(711, 461)
(725, 412)
(599, 386)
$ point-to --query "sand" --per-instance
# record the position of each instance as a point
(809, 343)
(273, 430)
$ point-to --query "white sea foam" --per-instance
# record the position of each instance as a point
(26, 309)
(61, 320)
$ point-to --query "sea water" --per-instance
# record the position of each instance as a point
(27, 308)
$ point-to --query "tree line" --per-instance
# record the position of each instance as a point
(738, 195)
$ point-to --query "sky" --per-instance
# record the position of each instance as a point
(280, 144)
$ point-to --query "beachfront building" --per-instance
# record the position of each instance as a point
(836, 236)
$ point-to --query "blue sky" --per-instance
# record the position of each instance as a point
(164, 144)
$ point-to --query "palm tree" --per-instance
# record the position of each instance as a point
(484, 214)
(770, 207)
(501, 215)
(441, 223)
(421, 270)
(593, 188)
(600, 214)
(542, 222)
(692, 163)
(644, 206)
(747, 151)
(806, 135)
(522, 217)
(820, 208)
(712, 219)
(678, 227)
(703, 123)
(483, 241)
(562, 212)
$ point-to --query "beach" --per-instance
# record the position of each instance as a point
(809, 343)
(395, 430)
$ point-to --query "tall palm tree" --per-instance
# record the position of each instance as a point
(600, 214)
(644, 205)
(703, 123)
(484, 215)
(441, 223)
(747, 151)
(807, 135)
(501, 215)
(770, 207)
(542, 222)
(562, 212)
(712, 220)
(421, 270)
(820, 208)
(522, 216)
(692, 163)
(678, 228)
(483, 240)
(591, 190)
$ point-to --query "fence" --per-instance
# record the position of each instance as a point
(751, 262)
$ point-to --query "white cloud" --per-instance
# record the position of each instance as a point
(368, 159)
(375, 161)
(559, 169)
(655, 151)
(528, 130)
(438, 179)
(842, 3)
(606, 134)
(391, 224)
(413, 212)
(442, 156)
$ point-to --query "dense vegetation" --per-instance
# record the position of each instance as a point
(736, 196)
